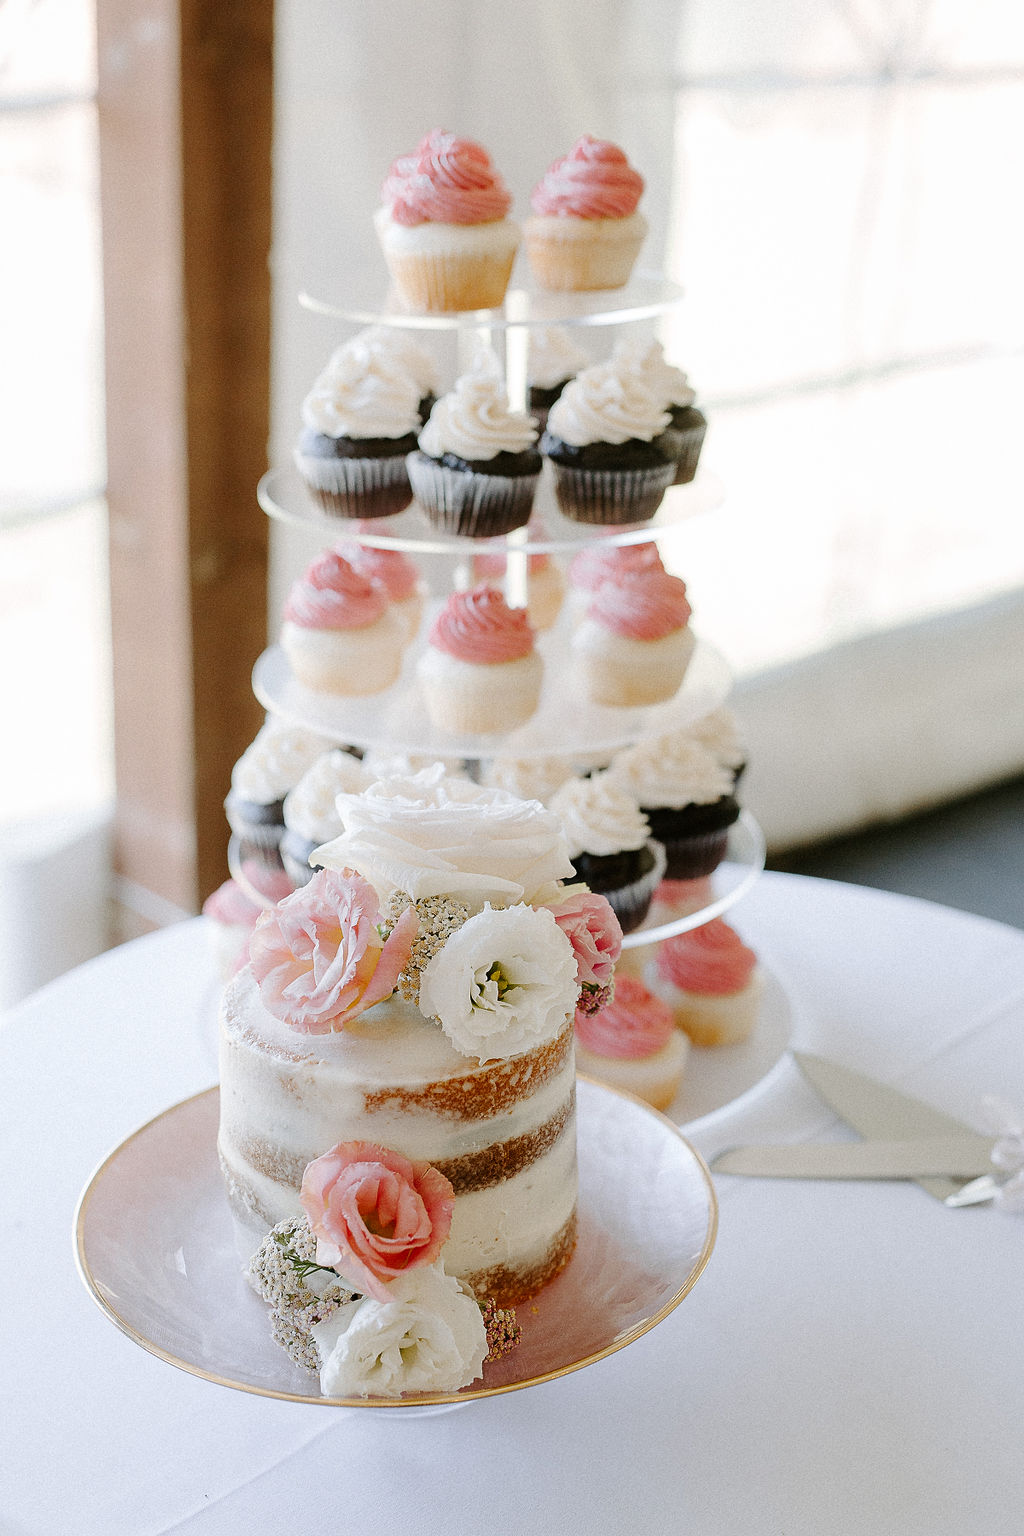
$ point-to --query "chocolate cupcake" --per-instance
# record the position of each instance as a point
(671, 386)
(554, 359)
(477, 467)
(268, 769)
(610, 845)
(359, 422)
(687, 797)
(608, 443)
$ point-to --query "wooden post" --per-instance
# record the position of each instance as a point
(185, 113)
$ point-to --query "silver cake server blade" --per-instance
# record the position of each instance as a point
(921, 1156)
(876, 1110)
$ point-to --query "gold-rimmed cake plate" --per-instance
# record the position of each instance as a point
(155, 1247)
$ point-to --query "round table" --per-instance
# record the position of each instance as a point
(851, 1361)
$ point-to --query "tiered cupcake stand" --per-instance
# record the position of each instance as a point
(564, 725)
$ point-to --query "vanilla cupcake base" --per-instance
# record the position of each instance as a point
(620, 671)
(571, 255)
(351, 662)
(654, 1078)
(445, 268)
(467, 698)
(713, 1020)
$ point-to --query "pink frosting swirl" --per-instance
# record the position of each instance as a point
(642, 605)
(230, 905)
(607, 562)
(333, 595)
(634, 1024)
(593, 181)
(712, 960)
(446, 180)
(479, 626)
(386, 568)
(494, 565)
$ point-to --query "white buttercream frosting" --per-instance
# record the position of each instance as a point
(599, 817)
(720, 732)
(607, 404)
(431, 835)
(275, 762)
(672, 771)
(310, 809)
(529, 778)
(363, 392)
(396, 348)
(554, 356)
(647, 359)
(474, 421)
(382, 764)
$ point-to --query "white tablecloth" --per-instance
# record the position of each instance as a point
(852, 1360)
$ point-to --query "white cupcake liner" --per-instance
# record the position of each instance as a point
(611, 496)
(475, 505)
(361, 488)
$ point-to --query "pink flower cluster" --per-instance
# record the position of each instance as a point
(375, 1213)
(593, 930)
(319, 958)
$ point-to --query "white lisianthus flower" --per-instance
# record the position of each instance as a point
(430, 835)
(429, 1336)
(504, 982)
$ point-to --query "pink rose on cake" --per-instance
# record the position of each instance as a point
(319, 958)
(593, 930)
(375, 1213)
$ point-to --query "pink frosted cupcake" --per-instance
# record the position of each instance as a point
(635, 643)
(584, 231)
(443, 226)
(632, 1043)
(545, 585)
(395, 574)
(712, 983)
(340, 634)
(480, 672)
(600, 562)
(231, 915)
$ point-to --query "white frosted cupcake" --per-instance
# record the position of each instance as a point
(359, 422)
(443, 226)
(712, 983)
(610, 845)
(477, 466)
(528, 778)
(607, 440)
(632, 1043)
(479, 671)
(339, 633)
(687, 796)
(399, 352)
(719, 731)
(673, 388)
(554, 358)
(310, 809)
(267, 770)
(634, 644)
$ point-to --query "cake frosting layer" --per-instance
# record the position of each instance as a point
(504, 1134)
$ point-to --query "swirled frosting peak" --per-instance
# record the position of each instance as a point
(333, 595)
(642, 605)
(634, 1024)
(446, 180)
(607, 404)
(608, 562)
(647, 358)
(672, 770)
(599, 817)
(363, 392)
(389, 568)
(593, 181)
(479, 626)
(473, 421)
(554, 356)
(712, 959)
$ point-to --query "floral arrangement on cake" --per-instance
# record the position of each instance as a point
(454, 896)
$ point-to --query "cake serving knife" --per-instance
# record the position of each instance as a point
(904, 1138)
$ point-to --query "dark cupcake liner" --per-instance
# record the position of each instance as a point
(691, 439)
(688, 858)
(358, 488)
(295, 851)
(631, 902)
(465, 502)
(259, 826)
(611, 496)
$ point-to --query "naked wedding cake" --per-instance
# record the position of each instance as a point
(397, 1070)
